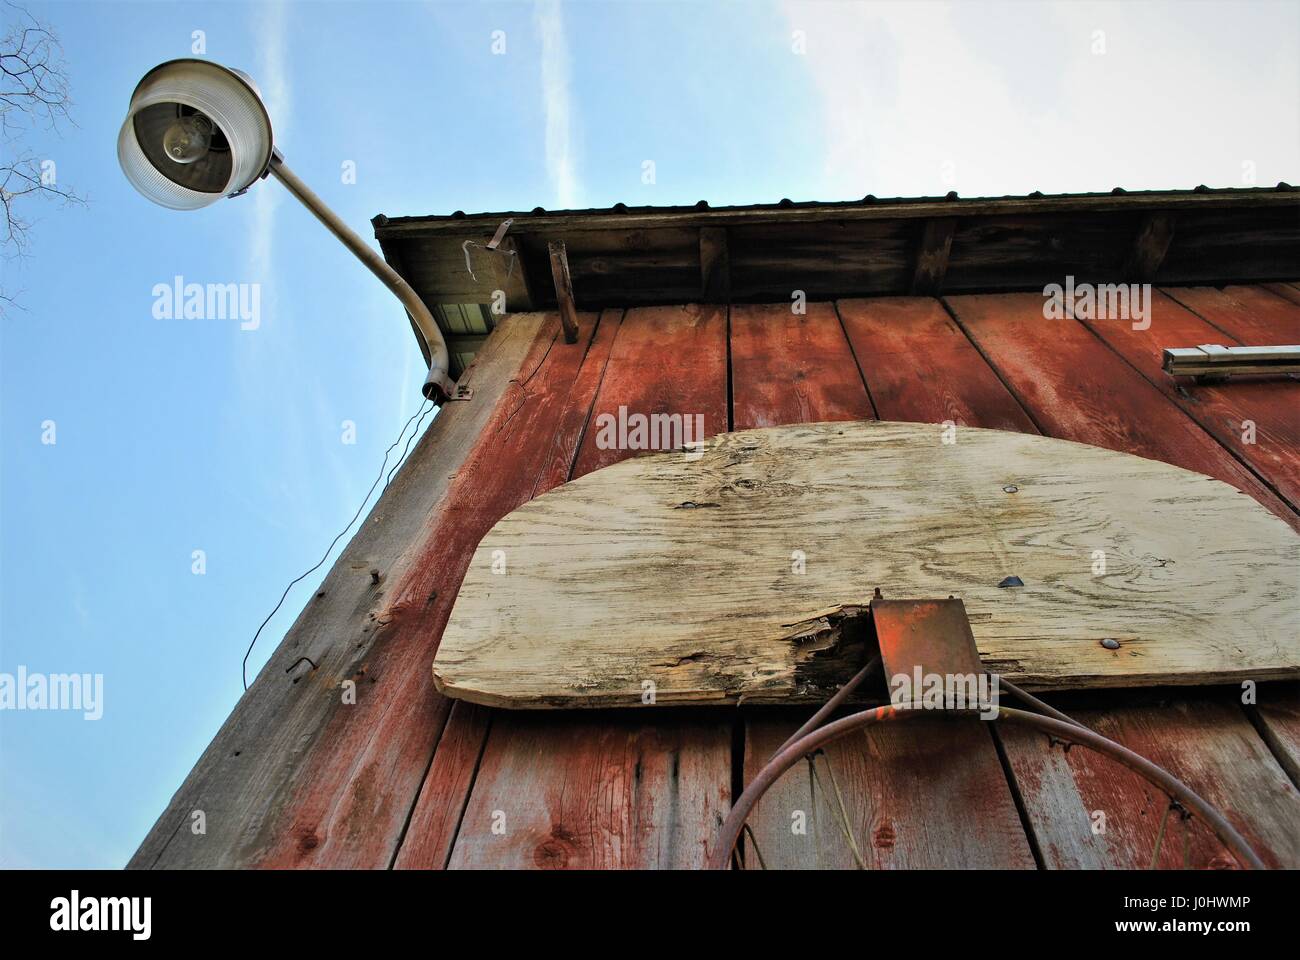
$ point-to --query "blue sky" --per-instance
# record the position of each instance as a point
(183, 435)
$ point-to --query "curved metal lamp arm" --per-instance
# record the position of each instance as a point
(438, 386)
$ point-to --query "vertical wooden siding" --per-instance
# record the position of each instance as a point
(1076, 387)
(640, 789)
(408, 778)
(946, 776)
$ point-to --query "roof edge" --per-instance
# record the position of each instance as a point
(622, 216)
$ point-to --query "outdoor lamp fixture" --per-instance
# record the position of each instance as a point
(197, 131)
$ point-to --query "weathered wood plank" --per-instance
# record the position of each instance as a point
(648, 375)
(1253, 316)
(1061, 792)
(544, 445)
(1276, 715)
(577, 413)
(1287, 291)
(592, 562)
(358, 792)
(631, 792)
(257, 775)
(921, 367)
(793, 368)
(618, 790)
(915, 797)
(1076, 388)
(1258, 420)
(502, 472)
(1090, 812)
(928, 794)
(427, 842)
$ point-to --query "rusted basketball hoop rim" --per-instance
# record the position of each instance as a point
(934, 637)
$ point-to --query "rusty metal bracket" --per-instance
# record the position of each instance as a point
(459, 392)
(439, 387)
(932, 636)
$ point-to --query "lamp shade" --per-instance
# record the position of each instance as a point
(195, 132)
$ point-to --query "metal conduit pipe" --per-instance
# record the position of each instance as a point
(438, 385)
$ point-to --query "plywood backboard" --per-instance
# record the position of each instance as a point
(739, 574)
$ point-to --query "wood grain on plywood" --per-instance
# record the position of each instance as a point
(678, 571)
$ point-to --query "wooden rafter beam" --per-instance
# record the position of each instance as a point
(715, 265)
(1149, 247)
(932, 256)
(564, 290)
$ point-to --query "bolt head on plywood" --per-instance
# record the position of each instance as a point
(743, 574)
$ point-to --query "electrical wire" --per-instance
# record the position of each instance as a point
(421, 412)
(402, 459)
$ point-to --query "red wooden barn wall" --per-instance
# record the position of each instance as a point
(408, 778)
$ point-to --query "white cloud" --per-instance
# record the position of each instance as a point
(988, 99)
(273, 361)
(556, 103)
(273, 82)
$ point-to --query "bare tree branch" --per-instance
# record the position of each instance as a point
(33, 78)
(33, 93)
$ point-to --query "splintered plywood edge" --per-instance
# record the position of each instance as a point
(744, 573)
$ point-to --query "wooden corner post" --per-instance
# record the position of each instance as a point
(564, 290)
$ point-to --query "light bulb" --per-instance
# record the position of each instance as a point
(188, 139)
